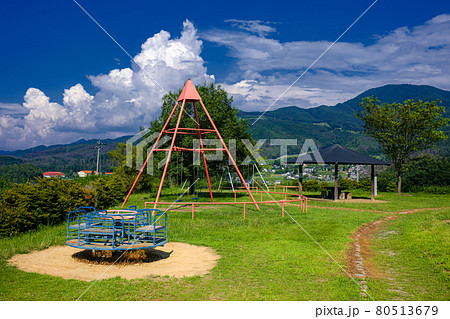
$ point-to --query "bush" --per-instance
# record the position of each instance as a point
(15, 220)
(324, 185)
(365, 184)
(386, 179)
(348, 183)
(421, 174)
(426, 171)
(311, 185)
(46, 201)
(439, 190)
(19, 172)
(4, 185)
(391, 187)
(108, 191)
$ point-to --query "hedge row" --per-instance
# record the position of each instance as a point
(47, 201)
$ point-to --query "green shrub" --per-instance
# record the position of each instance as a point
(44, 202)
(294, 182)
(391, 187)
(15, 220)
(365, 184)
(422, 174)
(439, 190)
(311, 185)
(4, 185)
(19, 172)
(385, 179)
(348, 183)
(324, 185)
(426, 171)
(108, 191)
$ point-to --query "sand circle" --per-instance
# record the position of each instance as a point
(178, 260)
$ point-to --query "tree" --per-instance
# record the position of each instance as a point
(402, 129)
(19, 173)
(224, 116)
(128, 174)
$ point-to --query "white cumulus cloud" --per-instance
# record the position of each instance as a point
(417, 55)
(126, 98)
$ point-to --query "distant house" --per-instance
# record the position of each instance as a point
(87, 173)
(108, 173)
(84, 173)
(53, 174)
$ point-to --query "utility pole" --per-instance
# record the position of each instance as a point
(98, 147)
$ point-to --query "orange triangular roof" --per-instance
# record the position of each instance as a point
(189, 92)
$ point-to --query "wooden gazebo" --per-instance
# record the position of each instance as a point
(337, 154)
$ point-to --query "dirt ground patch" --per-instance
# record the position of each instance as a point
(360, 254)
(353, 200)
(347, 209)
(176, 260)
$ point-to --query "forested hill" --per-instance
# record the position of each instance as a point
(67, 158)
(328, 125)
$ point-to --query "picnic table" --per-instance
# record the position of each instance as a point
(329, 193)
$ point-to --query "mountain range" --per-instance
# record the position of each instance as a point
(326, 125)
(66, 158)
(337, 124)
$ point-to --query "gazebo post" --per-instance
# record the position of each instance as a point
(300, 179)
(336, 155)
(336, 194)
(372, 182)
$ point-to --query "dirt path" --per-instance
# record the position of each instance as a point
(180, 260)
(348, 209)
(360, 263)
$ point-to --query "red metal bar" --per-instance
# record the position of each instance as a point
(193, 210)
(244, 210)
(226, 203)
(150, 154)
(203, 153)
(206, 130)
(282, 209)
(178, 149)
(229, 155)
(168, 155)
(187, 133)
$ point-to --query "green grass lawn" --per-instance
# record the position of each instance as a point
(413, 254)
(264, 257)
(394, 202)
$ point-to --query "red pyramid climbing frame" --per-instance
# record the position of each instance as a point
(188, 95)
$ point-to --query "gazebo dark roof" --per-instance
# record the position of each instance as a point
(337, 154)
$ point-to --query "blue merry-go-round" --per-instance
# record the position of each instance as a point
(124, 229)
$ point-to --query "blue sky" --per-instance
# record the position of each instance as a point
(65, 79)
